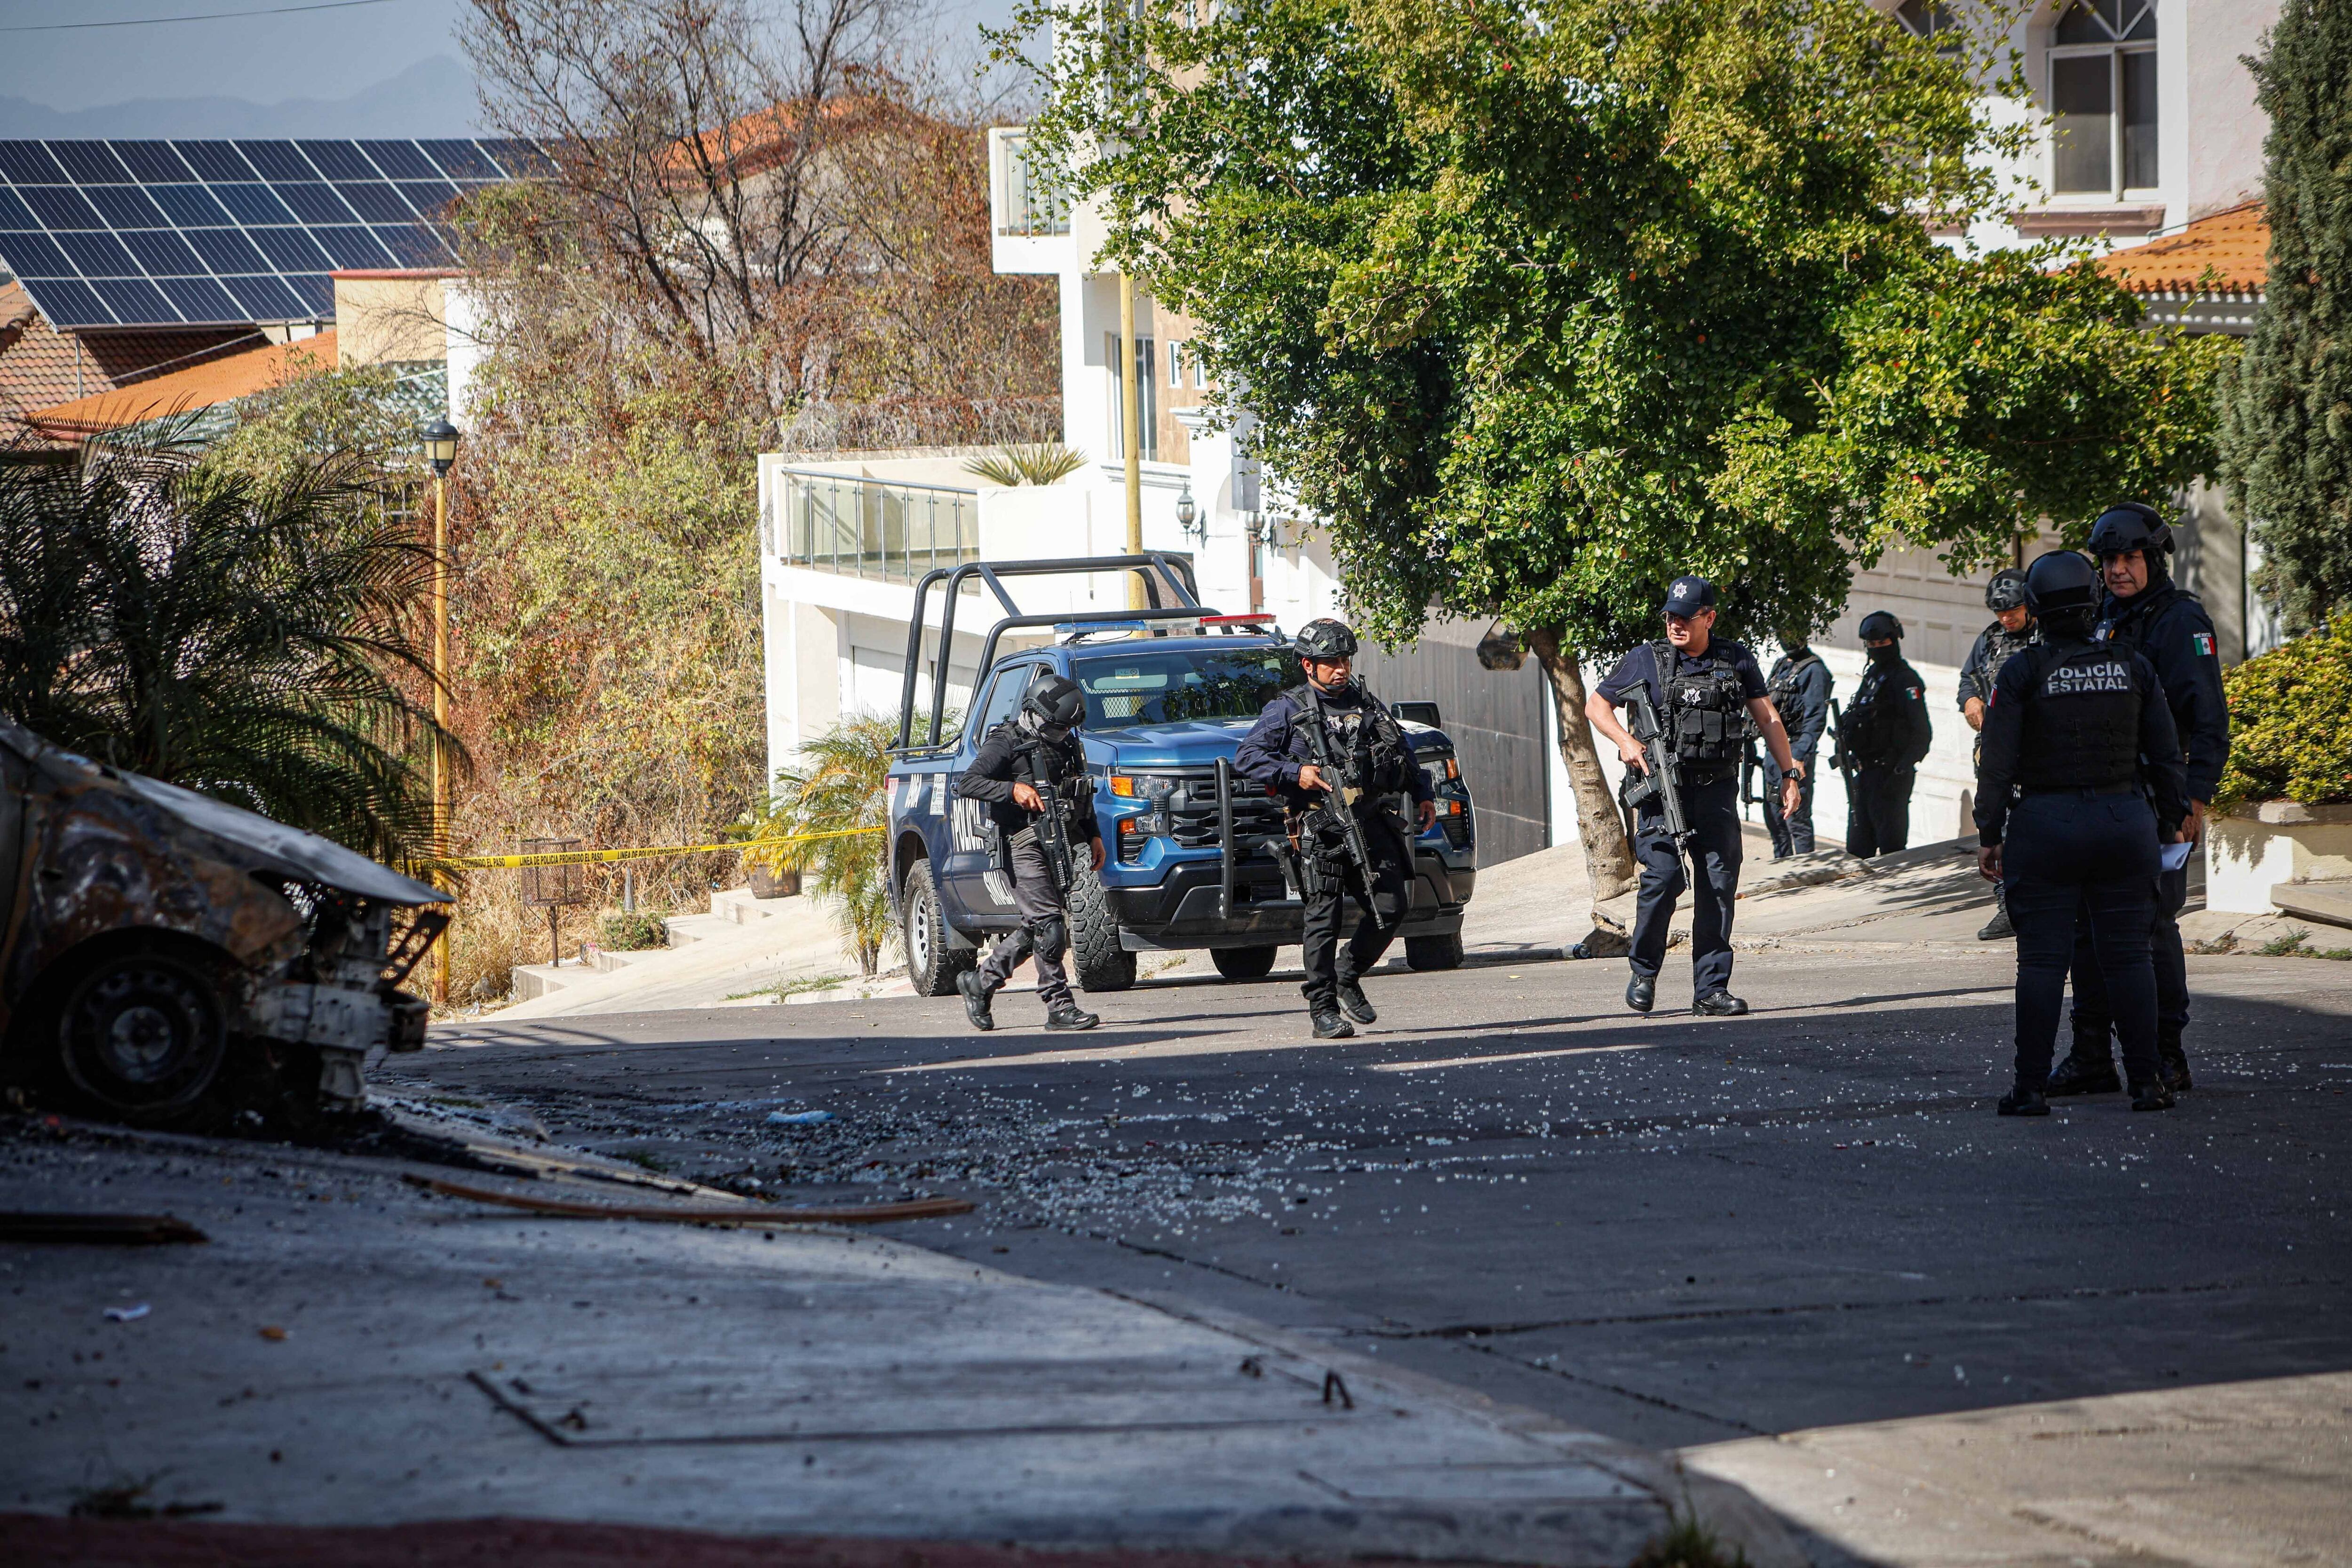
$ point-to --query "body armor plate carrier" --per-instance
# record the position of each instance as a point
(1707, 713)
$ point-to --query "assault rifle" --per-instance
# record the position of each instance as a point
(1663, 781)
(1840, 757)
(1341, 793)
(1750, 765)
(1052, 823)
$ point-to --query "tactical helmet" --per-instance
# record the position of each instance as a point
(1879, 624)
(1057, 702)
(2130, 525)
(1325, 639)
(2006, 591)
(2062, 583)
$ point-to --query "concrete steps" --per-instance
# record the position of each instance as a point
(2330, 902)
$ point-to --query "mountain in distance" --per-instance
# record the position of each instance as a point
(434, 97)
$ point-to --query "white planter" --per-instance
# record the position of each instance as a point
(2248, 854)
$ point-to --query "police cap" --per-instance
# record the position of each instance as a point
(2062, 583)
(2006, 591)
(2130, 525)
(1057, 702)
(1688, 596)
(1325, 639)
(1879, 624)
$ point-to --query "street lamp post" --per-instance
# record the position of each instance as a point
(440, 439)
(1188, 516)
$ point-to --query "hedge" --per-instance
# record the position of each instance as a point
(2291, 723)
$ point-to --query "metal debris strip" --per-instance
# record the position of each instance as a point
(103, 1229)
(850, 1213)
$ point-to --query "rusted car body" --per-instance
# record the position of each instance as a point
(169, 958)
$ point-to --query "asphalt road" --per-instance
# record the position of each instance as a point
(1669, 1230)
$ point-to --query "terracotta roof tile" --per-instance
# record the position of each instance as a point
(2226, 253)
(40, 366)
(216, 380)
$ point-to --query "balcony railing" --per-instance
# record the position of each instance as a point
(1029, 206)
(872, 528)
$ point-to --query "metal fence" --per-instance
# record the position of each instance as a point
(872, 528)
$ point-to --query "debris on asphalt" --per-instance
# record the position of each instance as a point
(852, 1213)
(127, 1314)
(273, 1333)
(798, 1118)
(117, 1229)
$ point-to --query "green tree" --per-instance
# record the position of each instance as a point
(841, 787)
(2286, 414)
(1541, 306)
(257, 639)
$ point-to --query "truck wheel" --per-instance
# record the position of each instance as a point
(140, 1035)
(1244, 962)
(932, 963)
(1433, 952)
(1102, 965)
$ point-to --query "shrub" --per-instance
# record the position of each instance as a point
(631, 932)
(2291, 723)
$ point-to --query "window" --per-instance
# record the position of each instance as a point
(1003, 697)
(1146, 386)
(2103, 98)
(1176, 364)
(1930, 19)
(1168, 687)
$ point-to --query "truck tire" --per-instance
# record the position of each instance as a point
(1244, 962)
(933, 961)
(135, 1032)
(1433, 952)
(1102, 965)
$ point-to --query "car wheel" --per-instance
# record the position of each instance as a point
(1433, 952)
(142, 1034)
(1102, 965)
(933, 961)
(1244, 962)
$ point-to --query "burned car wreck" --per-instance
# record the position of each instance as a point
(171, 959)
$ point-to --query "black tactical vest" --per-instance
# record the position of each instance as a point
(2081, 719)
(1782, 691)
(1366, 738)
(1705, 710)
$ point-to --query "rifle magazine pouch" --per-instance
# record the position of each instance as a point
(999, 855)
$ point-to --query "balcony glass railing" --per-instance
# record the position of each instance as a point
(872, 528)
(1029, 207)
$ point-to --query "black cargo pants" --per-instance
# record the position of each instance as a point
(1043, 932)
(2091, 855)
(1333, 882)
(1713, 811)
(1878, 810)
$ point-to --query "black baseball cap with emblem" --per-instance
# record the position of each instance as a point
(1688, 596)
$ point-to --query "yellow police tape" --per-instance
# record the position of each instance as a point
(593, 857)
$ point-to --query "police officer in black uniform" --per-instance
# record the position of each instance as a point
(1031, 764)
(1703, 686)
(2145, 611)
(2078, 740)
(2011, 633)
(1884, 732)
(1799, 690)
(1375, 762)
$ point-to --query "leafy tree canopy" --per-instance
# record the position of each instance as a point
(1541, 306)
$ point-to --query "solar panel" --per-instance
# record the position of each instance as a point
(152, 233)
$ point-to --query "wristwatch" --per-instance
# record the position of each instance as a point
(1792, 773)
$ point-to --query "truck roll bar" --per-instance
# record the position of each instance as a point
(1155, 568)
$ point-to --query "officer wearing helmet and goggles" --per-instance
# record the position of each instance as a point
(2011, 633)
(2145, 611)
(1375, 758)
(2078, 743)
(1029, 766)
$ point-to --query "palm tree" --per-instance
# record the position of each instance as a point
(1045, 463)
(259, 640)
(841, 785)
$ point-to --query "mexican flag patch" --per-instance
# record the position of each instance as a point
(2202, 642)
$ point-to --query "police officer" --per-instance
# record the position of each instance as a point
(1799, 690)
(1884, 734)
(1375, 765)
(2078, 729)
(2011, 633)
(1031, 764)
(2145, 611)
(1700, 686)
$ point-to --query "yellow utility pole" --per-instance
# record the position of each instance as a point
(1132, 418)
(440, 439)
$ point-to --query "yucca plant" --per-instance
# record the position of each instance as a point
(262, 641)
(1042, 464)
(842, 783)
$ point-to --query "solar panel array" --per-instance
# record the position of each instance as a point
(164, 233)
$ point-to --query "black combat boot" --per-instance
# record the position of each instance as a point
(2023, 1101)
(2172, 1064)
(975, 999)
(2151, 1095)
(1641, 993)
(1998, 929)
(2088, 1070)
(1720, 1005)
(1354, 1003)
(1330, 1026)
(1070, 1015)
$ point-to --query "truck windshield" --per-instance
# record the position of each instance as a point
(1143, 688)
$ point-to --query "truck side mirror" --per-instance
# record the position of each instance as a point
(1419, 712)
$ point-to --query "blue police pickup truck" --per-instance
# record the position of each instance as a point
(1171, 690)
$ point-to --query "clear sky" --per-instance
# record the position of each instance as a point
(321, 54)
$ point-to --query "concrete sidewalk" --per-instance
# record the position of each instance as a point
(348, 1350)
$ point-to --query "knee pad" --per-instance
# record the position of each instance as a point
(1049, 936)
